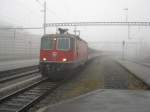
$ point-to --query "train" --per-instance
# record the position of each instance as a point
(61, 52)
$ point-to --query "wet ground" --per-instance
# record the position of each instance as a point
(101, 73)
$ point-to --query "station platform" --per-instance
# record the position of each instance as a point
(139, 70)
(110, 100)
(105, 100)
(9, 65)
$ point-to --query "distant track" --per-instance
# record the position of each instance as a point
(144, 64)
(125, 68)
(5, 79)
(13, 74)
(23, 99)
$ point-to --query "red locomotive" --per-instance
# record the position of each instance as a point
(60, 52)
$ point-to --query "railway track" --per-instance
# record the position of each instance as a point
(23, 99)
(137, 62)
(146, 65)
(134, 75)
(8, 76)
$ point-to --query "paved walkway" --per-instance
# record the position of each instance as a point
(141, 71)
(110, 100)
(105, 100)
(9, 65)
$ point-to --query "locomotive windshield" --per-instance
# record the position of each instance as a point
(47, 43)
(63, 43)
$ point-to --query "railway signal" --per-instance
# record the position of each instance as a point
(123, 49)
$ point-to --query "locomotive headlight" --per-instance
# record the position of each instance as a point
(64, 59)
(44, 59)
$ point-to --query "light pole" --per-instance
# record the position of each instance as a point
(14, 43)
(126, 10)
(75, 29)
(126, 20)
(44, 15)
(123, 49)
(128, 33)
(44, 18)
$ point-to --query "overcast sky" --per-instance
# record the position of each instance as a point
(28, 13)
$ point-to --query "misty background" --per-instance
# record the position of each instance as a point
(24, 44)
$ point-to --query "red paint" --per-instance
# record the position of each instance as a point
(78, 54)
(48, 54)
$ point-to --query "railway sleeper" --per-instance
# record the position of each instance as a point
(4, 109)
(31, 95)
(20, 100)
(12, 103)
(26, 97)
(36, 91)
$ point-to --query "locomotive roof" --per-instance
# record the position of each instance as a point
(62, 35)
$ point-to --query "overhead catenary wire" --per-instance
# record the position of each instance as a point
(51, 11)
(98, 23)
(21, 28)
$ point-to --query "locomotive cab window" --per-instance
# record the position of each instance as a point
(63, 43)
(47, 43)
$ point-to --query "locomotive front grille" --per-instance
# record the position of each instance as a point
(54, 55)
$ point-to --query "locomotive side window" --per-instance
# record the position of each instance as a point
(63, 43)
(47, 43)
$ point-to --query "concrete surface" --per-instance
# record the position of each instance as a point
(108, 74)
(105, 100)
(142, 72)
(9, 65)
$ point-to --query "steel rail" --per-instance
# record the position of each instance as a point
(20, 90)
(23, 99)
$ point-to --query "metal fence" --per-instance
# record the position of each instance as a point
(18, 44)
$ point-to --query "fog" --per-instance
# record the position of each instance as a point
(28, 13)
